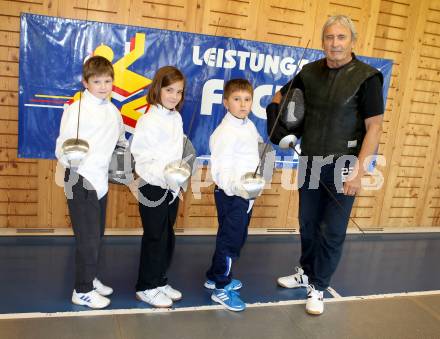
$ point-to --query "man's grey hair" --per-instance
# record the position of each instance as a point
(344, 21)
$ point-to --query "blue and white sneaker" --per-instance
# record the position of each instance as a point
(235, 284)
(90, 299)
(228, 298)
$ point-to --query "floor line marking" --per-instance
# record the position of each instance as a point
(206, 307)
(426, 308)
(333, 292)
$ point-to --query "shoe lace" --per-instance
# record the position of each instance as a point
(166, 288)
(231, 290)
(312, 291)
(234, 293)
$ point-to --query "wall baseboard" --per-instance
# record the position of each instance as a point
(209, 231)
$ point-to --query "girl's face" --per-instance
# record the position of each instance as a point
(171, 95)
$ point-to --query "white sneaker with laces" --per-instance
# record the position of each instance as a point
(315, 301)
(90, 299)
(155, 298)
(170, 292)
(99, 287)
(299, 279)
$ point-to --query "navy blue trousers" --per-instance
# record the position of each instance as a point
(323, 224)
(231, 235)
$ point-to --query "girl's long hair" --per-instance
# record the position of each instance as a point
(164, 77)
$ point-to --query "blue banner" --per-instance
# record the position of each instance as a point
(52, 51)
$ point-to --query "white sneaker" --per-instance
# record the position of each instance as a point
(155, 298)
(90, 299)
(170, 292)
(101, 288)
(315, 301)
(299, 279)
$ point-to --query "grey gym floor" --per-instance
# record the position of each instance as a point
(387, 286)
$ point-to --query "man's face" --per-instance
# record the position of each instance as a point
(337, 44)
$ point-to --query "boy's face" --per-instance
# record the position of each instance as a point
(99, 85)
(239, 103)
